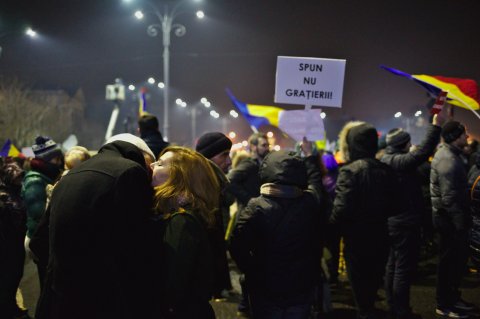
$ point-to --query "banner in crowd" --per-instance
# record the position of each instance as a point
(8, 149)
(309, 81)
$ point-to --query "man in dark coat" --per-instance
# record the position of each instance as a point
(277, 242)
(404, 228)
(365, 198)
(474, 187)
(451, 218)
(149, 132)
(99, 254)
(216, 147)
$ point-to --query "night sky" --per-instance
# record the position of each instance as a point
(89, 43)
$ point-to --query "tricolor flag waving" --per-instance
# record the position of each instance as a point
(460, 92)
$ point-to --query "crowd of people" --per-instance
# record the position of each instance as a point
(144, 229)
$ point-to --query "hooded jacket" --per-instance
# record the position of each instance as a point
(365, 193)
(277, 239)
(99, 245)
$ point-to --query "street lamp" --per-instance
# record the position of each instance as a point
(166, 24)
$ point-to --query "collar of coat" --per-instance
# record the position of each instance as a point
(283, 191)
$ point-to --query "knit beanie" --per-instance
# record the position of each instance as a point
(46, 149)
(132, 139)
(213, 143)
(452, 130)
(397, 137)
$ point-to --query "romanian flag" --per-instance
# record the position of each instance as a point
(257, 115)
(8, 149)
(461, 92)
(142, 101)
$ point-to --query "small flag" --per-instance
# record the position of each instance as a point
(142, 101)
(439, 102)
(8, 149)
(257, 115)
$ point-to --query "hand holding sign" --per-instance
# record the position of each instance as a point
(439, 103)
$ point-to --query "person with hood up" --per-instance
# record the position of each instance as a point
(277, 239)
(365, 198)
(100, 263)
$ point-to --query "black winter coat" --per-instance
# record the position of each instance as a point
(474, 193)
(100, 259)
(405, 165)
(244, 181)
(277, 239)
(449, 189)
(155, 142)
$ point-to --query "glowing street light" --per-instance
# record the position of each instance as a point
(131, 87)
(323, 115)
(232, 135)
(233, 114)
(398, 114)
(165, 26)
(418, 113)
(151, 80)
(161, 85)
(31, 33)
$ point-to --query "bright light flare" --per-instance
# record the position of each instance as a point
(233, 114)
(398, 114)
(178, 101)
(214, 114)
(323, 115)
(418, 113)
(151, 80)
(269, 134)
(200, 14)
(131, 87)
(203, 100)
(277, 148)
(232, 134)
(139, 15)
(207, 104)
(31, 33)
(161, 85)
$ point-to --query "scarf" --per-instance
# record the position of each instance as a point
(283, 191)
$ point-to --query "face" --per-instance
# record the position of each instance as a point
(223, 160)
(161, 169)
(262, 148)
(461, 142)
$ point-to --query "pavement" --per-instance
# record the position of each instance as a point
(422, 294)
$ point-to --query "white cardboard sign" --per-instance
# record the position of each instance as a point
(309, 81)
(300, 123)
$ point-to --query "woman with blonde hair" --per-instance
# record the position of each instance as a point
(186, 197)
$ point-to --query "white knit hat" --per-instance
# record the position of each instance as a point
(132, 139)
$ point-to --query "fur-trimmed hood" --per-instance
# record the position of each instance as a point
(358, 140)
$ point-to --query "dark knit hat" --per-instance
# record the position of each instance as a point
(45, 148)
(213, 143)
(452, 130)
(397, 137)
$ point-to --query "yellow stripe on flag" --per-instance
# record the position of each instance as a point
(269, 112)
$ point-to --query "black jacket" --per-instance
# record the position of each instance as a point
(244, 181)
(100, 259)
(449, 189)
(405, 165)
(365, 191)
(473, 175)
(155, 142)
(277, 239)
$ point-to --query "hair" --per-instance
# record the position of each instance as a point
(191, 183)
(75, 156)
(148, 123)
(253, 139)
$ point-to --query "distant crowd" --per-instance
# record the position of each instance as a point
(145, 229)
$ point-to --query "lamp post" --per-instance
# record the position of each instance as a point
(166, 25)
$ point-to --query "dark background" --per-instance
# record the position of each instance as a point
(89, 43)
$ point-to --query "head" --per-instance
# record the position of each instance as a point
(11, 175)
(398, 139)
(454, 133)
(284, 168)
(48, 150)
(185, 178)
(358, 140)
(259, 146)
(75, 156)
(139, 143)
(147, 123)
(216, 147)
